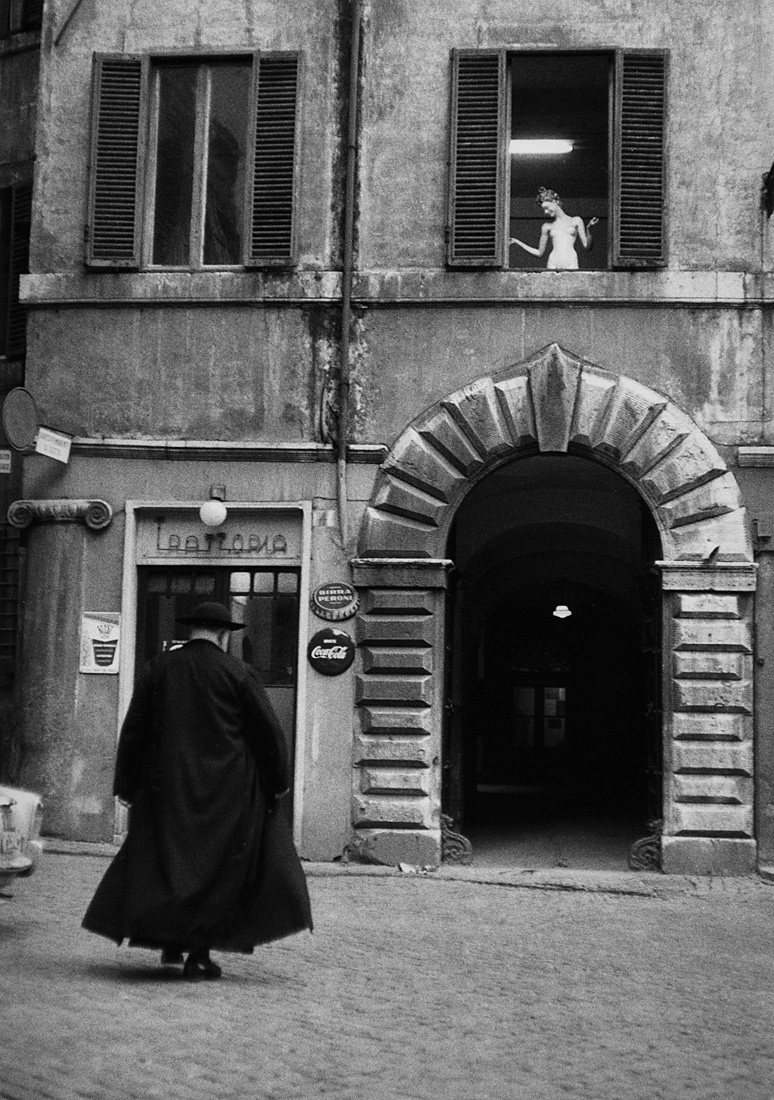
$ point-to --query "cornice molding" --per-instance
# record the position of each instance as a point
(225, 450)
(400, 287)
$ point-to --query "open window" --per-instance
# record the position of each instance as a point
(589, 126)
(193, 162)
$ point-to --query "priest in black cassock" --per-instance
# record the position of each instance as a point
(209, 860)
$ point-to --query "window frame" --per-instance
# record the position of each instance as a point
(139, 159)
(618, 212)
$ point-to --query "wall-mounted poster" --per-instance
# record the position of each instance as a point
(100, 641)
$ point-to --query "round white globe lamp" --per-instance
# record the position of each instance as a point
(213, 513)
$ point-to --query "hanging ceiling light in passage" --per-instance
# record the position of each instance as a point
(562, 611)
(540, 147)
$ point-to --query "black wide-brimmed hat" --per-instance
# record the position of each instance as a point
(211, 614)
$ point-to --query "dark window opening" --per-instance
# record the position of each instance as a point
(561, 98)
(201, 115)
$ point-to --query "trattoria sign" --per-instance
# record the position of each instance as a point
(331, 652)
(181, 537)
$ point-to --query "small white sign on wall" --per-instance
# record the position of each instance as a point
(5, 461)
(100, 641)
(54, 444)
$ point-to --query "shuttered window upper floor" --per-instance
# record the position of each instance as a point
(589, 127)
(193, 162)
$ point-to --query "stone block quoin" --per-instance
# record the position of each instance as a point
(710, 776)
(398, 701)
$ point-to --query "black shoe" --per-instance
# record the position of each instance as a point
(170, 956)
(200, 965)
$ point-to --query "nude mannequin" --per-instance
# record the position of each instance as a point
(562, 232)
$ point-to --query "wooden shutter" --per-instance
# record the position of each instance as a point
(479, 135)
(271, 195)
(117, 159)
(639, 229)
(21, 214)
(32, 15)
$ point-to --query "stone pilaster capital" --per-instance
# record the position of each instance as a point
(401, 572)
(95, 514)
(687, 576)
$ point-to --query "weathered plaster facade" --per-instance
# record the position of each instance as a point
(19, 74)
(173, 380)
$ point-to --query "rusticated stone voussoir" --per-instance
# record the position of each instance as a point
(551, 403)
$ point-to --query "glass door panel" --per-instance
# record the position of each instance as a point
(265, 600)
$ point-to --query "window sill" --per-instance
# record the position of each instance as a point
(178, 288)
(401, 287)
(642, 287)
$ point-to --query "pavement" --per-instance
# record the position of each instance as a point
(468, 983)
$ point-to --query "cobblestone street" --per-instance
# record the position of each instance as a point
(462, 985)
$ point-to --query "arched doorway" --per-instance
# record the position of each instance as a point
(552, 745)
(555, 404)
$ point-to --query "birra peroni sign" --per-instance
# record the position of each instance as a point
(335, 601)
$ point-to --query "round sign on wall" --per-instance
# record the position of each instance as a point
(20, 419)
(331, 651)
(335, 601)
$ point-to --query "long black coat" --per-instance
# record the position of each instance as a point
(208, 860)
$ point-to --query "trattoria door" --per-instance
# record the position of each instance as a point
(253, 564)
(265, 600)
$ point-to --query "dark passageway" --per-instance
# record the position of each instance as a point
(553, 742)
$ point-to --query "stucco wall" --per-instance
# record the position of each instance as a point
(232, 373)
(708, 362)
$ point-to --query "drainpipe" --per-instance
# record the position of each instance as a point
(346, 287)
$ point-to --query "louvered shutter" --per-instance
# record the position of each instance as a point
(117, 159)
(32, 15)
(479, 136)
(21, 213)
(271, 198)
(639, 229)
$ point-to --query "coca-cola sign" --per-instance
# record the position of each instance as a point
(331, 652)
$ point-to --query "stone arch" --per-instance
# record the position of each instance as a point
(556, 402)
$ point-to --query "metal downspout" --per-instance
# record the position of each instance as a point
(346, 288)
